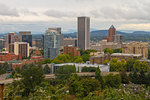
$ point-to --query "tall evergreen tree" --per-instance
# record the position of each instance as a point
(124, 77)
(142, 77)
(99, 77)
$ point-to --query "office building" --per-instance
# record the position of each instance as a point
(37, 43)
(111, 33)
(71, 51)
(10, 38)
(25, 36)
(101, 45)
(117, 38)
(70, 41)
(52, 42)
(83, 33)
(2, 44)
(19, 48)
(99, 59)
(136, 48)
(112, 36)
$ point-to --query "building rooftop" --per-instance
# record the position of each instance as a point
(112, 26)
(123, 54)
(14, 61)
(21, 43)
(82, 64)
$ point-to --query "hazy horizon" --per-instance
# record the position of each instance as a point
(38, 15)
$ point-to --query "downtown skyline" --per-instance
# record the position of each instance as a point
(37, 15)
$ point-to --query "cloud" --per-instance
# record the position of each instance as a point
(28, 12)
(6, 11)
(136, 11)
(59, 14)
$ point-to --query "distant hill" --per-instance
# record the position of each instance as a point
(99, 34)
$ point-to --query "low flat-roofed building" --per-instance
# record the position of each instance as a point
(125, 56)
(101, 45)
(79, 66)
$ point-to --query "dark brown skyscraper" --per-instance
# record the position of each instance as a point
(83, 32)
(111, 33)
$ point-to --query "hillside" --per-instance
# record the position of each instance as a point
(99, 34)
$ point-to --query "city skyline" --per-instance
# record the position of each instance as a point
(37, 15)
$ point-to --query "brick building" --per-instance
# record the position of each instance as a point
(136, 48)
(10, 56)
(71, 50)
(102, 57)
(70, 41)
(111, 33)
(20, 48)
(11, 38)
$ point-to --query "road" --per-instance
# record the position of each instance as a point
(52, 76)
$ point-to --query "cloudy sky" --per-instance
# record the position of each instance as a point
(38, 15)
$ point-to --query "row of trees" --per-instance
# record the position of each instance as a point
(110, 51)
(67, 58)
(66, 85)
(129, 65)
(5, 68)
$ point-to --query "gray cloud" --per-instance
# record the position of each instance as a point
(6, 11)
(136, 11)
(28, 12)
(103, 13)
(59, 14)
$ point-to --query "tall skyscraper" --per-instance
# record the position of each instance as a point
(84, 33)
(10, 38)
(52, 42)
(19, 48)
(25, 36)
(2, 43)
(111, 33)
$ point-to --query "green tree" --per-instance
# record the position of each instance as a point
(25, 66)
(32, 77)
(142, 77)
(137, 65)
(107, 50)
(113, 64)
(64, 72)
(106, 62)
(117, 50)
(124, 77)
(77, 59)
(83, 87)
(88, 69)
(47, 70)
(148, 53)
(134, 77)
(112, 80)
(148, 79)
(42, 52)
(99, 77)
(47, 61)
(85, 57)
(7, 67)
(63, 58)
(130, 64)
(144, 67)
(2, 71)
